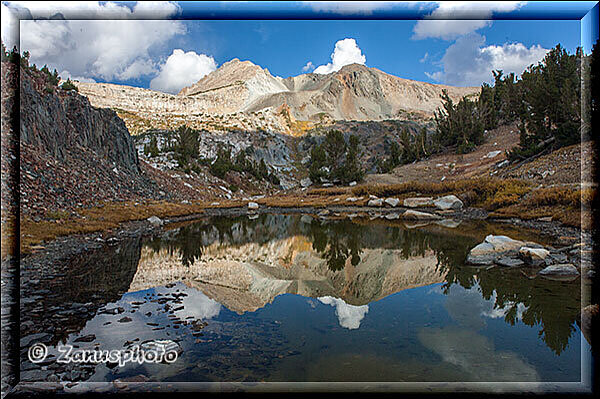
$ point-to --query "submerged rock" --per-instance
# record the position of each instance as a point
(509, 262)
(416, 215)
(306, 219)
(448, 202)
(449, 223)
(564, 271)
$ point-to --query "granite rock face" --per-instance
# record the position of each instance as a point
(72, 154)
(57, 123)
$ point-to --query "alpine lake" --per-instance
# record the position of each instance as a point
(295, 298)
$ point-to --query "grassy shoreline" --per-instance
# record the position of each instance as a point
(501, 198)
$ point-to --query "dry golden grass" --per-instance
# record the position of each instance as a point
(561, 203)
(96, 219)
(484, 192)
(7, 237)
(297, 201)
(503, 198)
(329, 191)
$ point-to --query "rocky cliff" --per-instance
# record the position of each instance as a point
(71, 153)
(62, 121)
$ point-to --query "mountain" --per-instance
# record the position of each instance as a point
(242, 95)
(355, 92)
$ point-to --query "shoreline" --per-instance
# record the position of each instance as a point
(72, 244)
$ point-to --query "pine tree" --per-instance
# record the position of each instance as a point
(318, 158)
(352, 170)
(551, 103)
(335, 147)
(187, 144)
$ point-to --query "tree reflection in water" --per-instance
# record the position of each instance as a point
(552, 305)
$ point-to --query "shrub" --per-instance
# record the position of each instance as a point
(186, 144)
(68, 85)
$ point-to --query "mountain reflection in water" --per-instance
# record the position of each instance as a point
(356, 262)
(290, 298)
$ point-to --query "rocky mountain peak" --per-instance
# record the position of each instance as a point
(233, 72)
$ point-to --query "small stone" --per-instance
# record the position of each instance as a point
(306, 219)
(392, 202)
(352, 184)
(155, 221)
(375, 202)
(561, 272)
(252, 205)
(416, 215)
(448, 202)
(125, 319)
(85, 338)
(509, 262)
(533, 256)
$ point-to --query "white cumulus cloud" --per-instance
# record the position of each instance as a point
(468, 62)
(349, 316)
(346, 52)
(114, 42)
(308, 67)
(182, 69)
(354, 7)
(452, 19)
(64, 75)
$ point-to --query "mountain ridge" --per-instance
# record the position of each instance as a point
(354, 92)
(242, 95)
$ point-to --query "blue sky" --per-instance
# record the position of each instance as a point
(453, 43)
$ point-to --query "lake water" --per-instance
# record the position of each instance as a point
(290, 298)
